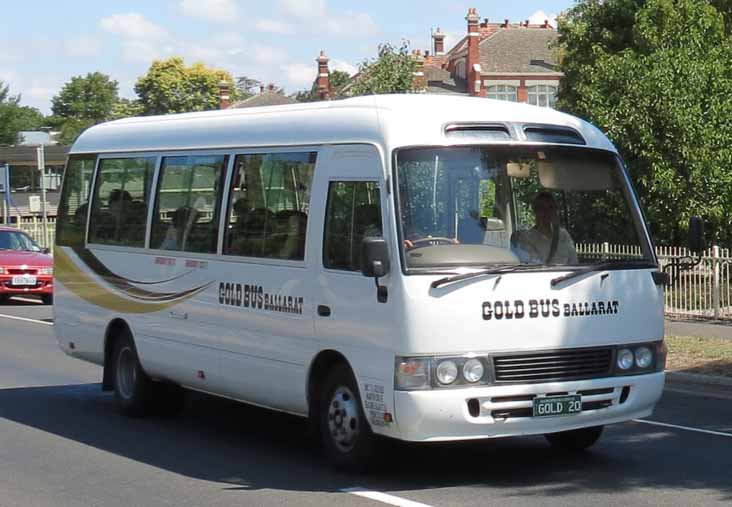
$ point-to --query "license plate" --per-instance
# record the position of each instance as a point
(24, 280)
(557, 405)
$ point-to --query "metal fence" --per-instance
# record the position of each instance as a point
(705, 291)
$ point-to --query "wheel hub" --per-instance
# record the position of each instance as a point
(343, 419)
(126, 373)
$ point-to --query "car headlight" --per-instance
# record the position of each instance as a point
(446, 372)
(3, 271)
(625, 359)
(45, 271)
(473, 370)
(643, 357)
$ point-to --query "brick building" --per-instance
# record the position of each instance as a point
(504, 61)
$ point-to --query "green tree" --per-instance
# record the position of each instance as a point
(82, 102)
(655, 75)
(14, 117)
(246, 87)
(172, 87)
(391, 72)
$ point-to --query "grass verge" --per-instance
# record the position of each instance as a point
(707, 356)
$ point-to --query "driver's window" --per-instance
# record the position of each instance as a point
(353, 213)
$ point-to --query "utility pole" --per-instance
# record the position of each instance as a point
(41, 157)
(5, 189)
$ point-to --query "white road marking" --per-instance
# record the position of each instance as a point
(383, 497)
(13, 317)
(27, 300)
(686, 428)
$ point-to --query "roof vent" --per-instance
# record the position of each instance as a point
(481, 131)
(553, 134)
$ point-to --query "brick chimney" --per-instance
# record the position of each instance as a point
(473, 60)
(419, 81)
(439, 42)
(224, 95)
(323, 79)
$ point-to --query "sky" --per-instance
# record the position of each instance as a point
(46, 42)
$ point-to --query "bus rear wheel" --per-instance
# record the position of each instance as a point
(345, 434)
(132, 387)
(575, 440)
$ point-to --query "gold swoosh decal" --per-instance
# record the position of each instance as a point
(77, 281)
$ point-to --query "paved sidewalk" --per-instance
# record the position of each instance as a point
(699, 328)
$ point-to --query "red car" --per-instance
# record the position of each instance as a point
(25, 267)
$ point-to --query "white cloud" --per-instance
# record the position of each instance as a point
(82, 47)
(301, 75)
(133, 25)
(267, 55)
(142, 40)
(273, 26)
(314, 16)
(215, 11)
(343, 66)
(539, 17)
(8, 76)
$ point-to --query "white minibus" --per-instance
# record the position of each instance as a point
(419, 267)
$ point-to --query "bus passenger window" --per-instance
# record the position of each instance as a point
(119, 207)
(268, 205)
(187, 203)
(353, 213)
(74, 204)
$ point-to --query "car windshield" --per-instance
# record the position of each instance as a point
(12, 240)
(532, 206)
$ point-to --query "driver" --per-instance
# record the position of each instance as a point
(547, 242)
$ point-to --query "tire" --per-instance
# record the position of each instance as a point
(346, 436)
(47, 299)
(133, 389)
(3, 299)
(575, 440)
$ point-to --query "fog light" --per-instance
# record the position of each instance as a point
(625, 359)
(473, 370)
(447, 372)
(643, 357)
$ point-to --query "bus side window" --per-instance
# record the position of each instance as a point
(119, 207)
(74, 203)
(268, 205)
(353, 212)
(187, 203)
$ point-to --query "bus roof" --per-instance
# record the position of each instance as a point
(389, 120)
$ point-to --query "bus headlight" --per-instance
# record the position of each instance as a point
(625, 359)
(446, 372)
(643, 357)
(473, 370)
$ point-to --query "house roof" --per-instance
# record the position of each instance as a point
(519, 51)
(265, 98)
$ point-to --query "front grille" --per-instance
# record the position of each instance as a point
(18, 271)
(556, 365)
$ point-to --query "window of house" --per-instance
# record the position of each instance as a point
(188, 202)
(542, 95)
(119, 208)
(502, 92)
(74, 203)
(460, 69)
(353, 213)
(269, 204)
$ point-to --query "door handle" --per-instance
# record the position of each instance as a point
(178, 315)
(324, 311)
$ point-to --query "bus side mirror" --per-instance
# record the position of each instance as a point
(696, 235)
(374, 257)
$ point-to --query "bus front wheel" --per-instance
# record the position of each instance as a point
(575, 440)
(346, 435)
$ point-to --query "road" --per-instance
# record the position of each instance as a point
(63, 444)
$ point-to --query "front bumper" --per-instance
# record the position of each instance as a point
(505, 410)
(44, 285)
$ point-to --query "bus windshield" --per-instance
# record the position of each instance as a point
(533, 206)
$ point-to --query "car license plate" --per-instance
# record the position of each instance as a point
(24, 280)
(557, 405)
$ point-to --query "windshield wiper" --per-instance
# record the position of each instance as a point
(499, 269)
(602, 266)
